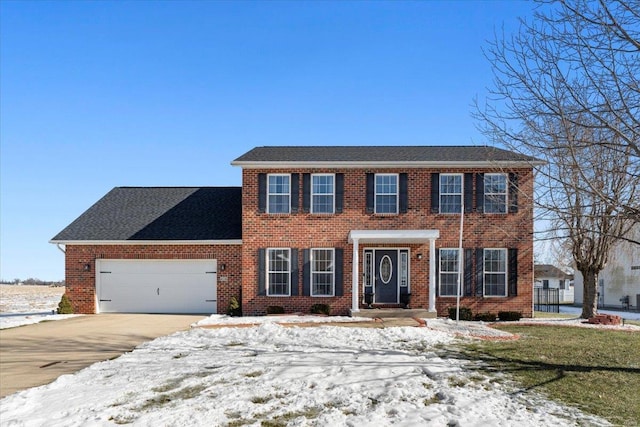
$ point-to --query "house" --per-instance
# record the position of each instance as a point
(619, 281)
(551, 277)
(351, 227)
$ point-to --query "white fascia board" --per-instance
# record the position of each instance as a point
(388, 165)
(393, 236)
(146, 242)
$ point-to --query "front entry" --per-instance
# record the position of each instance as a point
(386, 276)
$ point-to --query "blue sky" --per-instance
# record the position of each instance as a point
(95, 95)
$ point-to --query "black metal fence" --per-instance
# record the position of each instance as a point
(547, 300)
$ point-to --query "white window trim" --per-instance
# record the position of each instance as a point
(268, 272)
(333, 273)
(506, 276)
(375, 193)
(505, 194)
(333, 194)
(460, 262)
(440, 193)
(269, 193)
(368, 274)
(403, 269)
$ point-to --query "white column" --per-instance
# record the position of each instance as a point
(432, 275)
(355, 307)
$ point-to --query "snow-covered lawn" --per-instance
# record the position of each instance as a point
(25, 305)
(320, 376)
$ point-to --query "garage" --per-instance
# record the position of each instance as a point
(156, 286)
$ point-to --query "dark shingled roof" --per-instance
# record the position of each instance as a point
(548, 270)
(380, 154)
(160, 213)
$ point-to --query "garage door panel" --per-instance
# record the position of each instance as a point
(141, 286)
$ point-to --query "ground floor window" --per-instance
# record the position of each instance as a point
(322, 272)
(449, 271)
(278, 272)
(495, 272)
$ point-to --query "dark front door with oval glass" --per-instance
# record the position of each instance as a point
(386, 276)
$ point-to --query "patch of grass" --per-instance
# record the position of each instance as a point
(432, 400)
(234, 344)
(545, 315)
(261, 399)
(284, 419)
(457, 381)
(595, 370)
(165, 398)
(253, 374)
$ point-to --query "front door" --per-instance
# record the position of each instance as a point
(386, 276)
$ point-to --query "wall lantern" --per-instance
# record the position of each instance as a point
(419, 256)
(87, 267)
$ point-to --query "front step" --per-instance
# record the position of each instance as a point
(419, 313)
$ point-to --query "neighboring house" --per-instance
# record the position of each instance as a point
(551, 277)
(351, 227)
(620, 278)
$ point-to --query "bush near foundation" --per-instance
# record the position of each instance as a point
(485, 317)
(275, 309)
(321, 309)
(234, 308)
(64, 306)
(465, 313)
(509, 316)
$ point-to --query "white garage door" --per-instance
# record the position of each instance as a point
(156, 286)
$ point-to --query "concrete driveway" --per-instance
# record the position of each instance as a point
(35, 355)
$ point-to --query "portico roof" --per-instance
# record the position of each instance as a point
(393, 236)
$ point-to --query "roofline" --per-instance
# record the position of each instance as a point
(385, 164)
(147, 242)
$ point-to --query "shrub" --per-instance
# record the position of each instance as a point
(64, 306)
(509, 316)
(465, 313)
(234, 308)
(275, 309)
(321, 309)
(485, 317)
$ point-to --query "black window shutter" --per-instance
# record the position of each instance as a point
(479, 271)
(468, 192)
(262, 276)
(339, 192)
(306, 272)
(295, 272)
(262, 192)
(370, 191)
(338, 261)
(513, 272)
(435, 192)
(295, 192)
(513, 192)
(480, 192)
(404, 190)
(437, 278)
(306, 192)
(468, 272)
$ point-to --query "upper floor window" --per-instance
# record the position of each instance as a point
(386, 194)
(322, 272)
(278, 193)
(495, 272)
(322, 193)
(450, 193)
(495, 193)
(449, 271)
(278, 272)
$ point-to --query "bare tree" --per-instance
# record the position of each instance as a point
(567, 90)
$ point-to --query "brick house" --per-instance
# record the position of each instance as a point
(352, 227)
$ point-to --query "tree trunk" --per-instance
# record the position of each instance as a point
(590, 294)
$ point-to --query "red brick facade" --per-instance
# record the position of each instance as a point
(81, 282)
(305, 230)
(302, 231)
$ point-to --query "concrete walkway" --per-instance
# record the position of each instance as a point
(35, 355)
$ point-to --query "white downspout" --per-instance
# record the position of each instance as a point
(354, 277)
